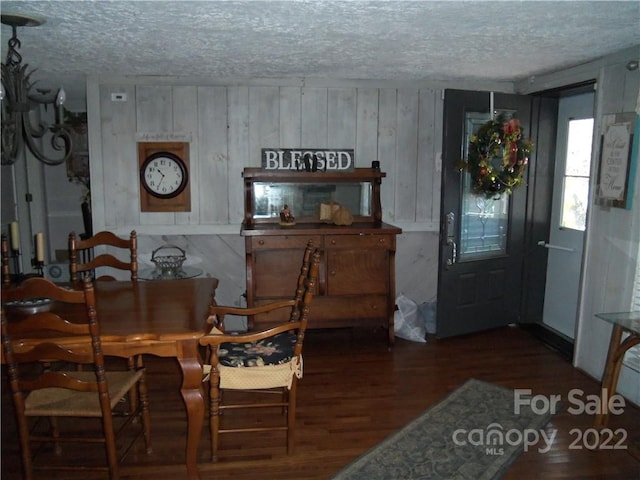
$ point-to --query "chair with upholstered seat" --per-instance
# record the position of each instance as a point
(269, 361)
(42, 343)
(82, 258)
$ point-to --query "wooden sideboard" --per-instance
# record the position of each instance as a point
(356, 284)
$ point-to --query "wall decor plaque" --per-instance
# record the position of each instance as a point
(618, 153)
(308, 159)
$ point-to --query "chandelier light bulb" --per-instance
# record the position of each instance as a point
(61, 98)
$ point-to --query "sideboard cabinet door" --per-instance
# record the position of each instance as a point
(357, 264)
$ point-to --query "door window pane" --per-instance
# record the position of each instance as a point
(575, 190)
(574, 202)
(484, 222)
(484, 225)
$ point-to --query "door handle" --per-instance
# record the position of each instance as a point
(450, 232)
(542, 243)
(454, 252)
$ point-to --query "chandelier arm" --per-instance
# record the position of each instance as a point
(10, 137)
(17, 128)
(60, 141)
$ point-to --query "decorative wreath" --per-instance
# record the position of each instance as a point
(497, 157)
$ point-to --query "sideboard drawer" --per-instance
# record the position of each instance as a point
(285, 242)
(360, 241)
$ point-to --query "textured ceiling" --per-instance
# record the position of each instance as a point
(392, 40)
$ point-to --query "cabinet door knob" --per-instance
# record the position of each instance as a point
(333, 272)
(333, 242)
(260, 242)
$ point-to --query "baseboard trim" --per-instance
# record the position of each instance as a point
(552, 339)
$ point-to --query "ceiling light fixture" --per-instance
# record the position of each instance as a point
(18, 101)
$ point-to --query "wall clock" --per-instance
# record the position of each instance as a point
(164, 176)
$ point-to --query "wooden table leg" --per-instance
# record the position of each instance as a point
(615, 359)
(609, 377)
(194, 402)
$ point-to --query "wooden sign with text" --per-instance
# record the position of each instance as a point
(308, 159)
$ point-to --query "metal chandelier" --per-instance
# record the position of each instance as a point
(18, 101)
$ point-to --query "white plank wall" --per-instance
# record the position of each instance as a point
(238, 121)
(211, 197)
(228, 125)
(387, 134)
(185, 119)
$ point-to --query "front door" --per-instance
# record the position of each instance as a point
(481, 240)
(569, 211)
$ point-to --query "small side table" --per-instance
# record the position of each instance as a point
(622, 322)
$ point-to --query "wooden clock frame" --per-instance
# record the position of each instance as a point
(152, 203)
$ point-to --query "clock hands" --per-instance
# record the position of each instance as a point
(160, 172)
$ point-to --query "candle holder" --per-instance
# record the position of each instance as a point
(15, 258)
(38, 265)
(17, 274)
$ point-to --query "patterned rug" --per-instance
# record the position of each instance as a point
(473, 434)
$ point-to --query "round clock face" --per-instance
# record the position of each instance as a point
(163, 175)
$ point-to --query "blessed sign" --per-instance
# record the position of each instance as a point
(308, 159)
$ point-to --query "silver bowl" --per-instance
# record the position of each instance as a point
(29, 307)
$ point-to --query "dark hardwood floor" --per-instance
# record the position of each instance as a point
(355, 393)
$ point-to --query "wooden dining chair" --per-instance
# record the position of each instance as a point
(82, 258)
(42, 341)
(269, 361)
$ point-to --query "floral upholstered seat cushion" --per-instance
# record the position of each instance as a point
(269, 351)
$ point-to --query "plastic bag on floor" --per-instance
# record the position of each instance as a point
(428, 312)
(409, 323)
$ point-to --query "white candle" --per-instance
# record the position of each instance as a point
(15, 236)
(39, 247)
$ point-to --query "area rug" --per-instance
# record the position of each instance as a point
(473, 434)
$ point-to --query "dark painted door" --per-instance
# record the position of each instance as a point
(482, 241)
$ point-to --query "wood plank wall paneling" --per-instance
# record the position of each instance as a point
(154, 115)
(314, 118)
(264, 123)
(212, 165)
(227, 126)
(185, 119)
(406, 149)
(341, 127)
(429, 166)
(119, 163)
(238, 121)
(290, 116)
(366, 125)
(387, 131)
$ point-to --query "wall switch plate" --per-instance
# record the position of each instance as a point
(118, 97)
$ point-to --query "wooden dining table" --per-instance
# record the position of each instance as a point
(165, 318)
